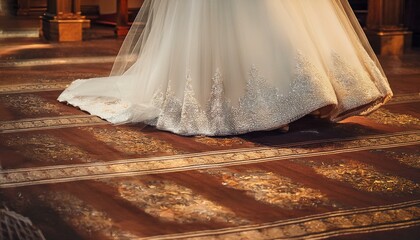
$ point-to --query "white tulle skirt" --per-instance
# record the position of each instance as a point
(223, 67)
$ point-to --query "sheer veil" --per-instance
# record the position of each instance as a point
(351, 24)
(135, 40)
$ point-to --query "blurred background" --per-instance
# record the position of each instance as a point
(393, 26)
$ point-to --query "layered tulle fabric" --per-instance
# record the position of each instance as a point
(222, 67)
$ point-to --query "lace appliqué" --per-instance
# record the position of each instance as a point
(368, 88)
(261, 107)
(352, 88)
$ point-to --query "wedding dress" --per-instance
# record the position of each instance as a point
(224, 67)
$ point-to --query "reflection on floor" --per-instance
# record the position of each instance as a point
(77, 177)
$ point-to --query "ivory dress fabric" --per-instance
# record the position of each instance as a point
(225, 67)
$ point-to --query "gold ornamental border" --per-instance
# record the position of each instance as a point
(59, 86)
(57, 61)
(32, 87)
(321, 226)
(197, 161)
(32, 124)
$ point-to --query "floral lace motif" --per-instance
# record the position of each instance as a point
(352, 88)
(261, 107)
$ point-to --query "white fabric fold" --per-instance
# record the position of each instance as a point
(222, 67)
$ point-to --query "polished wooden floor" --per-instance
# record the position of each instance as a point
(77, 177)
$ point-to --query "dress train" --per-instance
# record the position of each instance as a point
(224, 67)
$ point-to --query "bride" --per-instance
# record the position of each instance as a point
(224, 67)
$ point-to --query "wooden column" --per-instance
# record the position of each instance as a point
(413, 20)
(30, 7)
(385, 27)
(23, 7)
(122, 25)
(63, 21)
